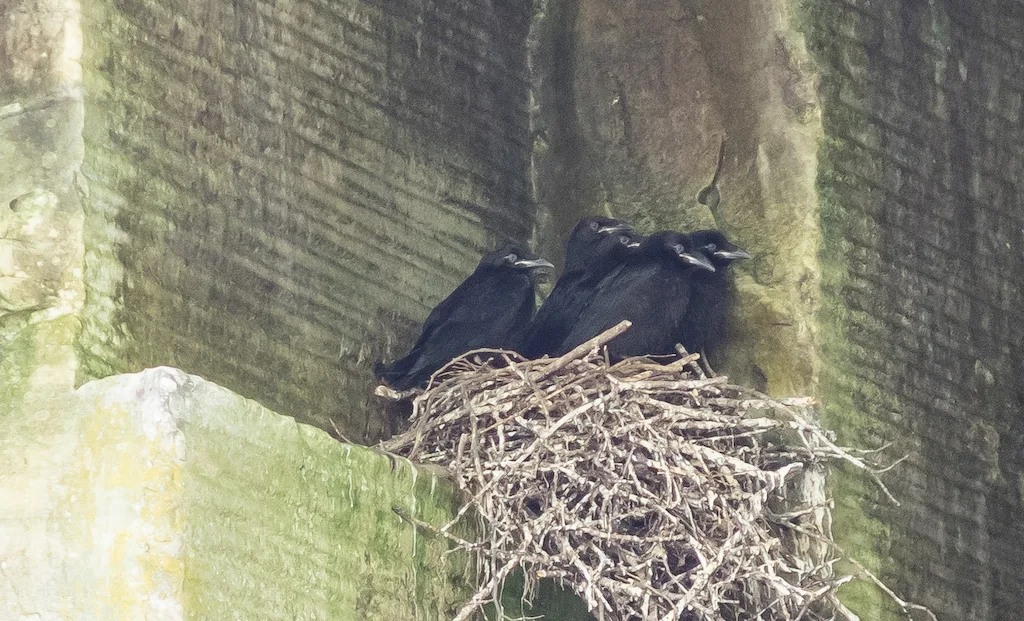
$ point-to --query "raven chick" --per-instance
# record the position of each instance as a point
(490, 309)
(596, 247)
(652, 290)
(703, 328)
(585, 236)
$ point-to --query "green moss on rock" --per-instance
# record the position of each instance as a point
(848, 400)
(313, 521)
(162, 494)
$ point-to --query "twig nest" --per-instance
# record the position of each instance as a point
(652, 491)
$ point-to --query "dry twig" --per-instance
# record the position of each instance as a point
(651, 490)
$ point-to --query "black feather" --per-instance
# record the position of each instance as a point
(490, 309)
(590, 257)
(652, 290)
(703, 327)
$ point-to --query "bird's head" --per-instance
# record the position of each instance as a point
(679, 246)
(713, 245)
(611, 251)
(631, 240)
(619, 244)
(595, 226)
(587, 236)
(514, 257)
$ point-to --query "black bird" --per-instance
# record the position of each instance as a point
(703, 327)
(490, 309)
(585, 236)
(596, 246)
(652, 290)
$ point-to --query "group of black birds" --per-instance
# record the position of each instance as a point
(670, 285)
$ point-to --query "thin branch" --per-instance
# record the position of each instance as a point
(647, 489)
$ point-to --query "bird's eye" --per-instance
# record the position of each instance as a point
(678, 248)
(624, 240)
(594, 226)
(511, 258)
(711, 247)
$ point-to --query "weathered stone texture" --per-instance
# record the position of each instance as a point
(924, 256)
(41, 250)
(634, 99)
(279, 191)
(161, 496)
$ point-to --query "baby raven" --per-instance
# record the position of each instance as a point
(703, 326)
(585, 236)
(596, 246)
(652, 290)
(490, 309)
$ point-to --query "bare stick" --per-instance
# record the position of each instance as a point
(579, 351)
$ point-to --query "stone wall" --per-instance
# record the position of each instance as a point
(924, 254)
(273, 195)
(920, 159)
(161, 496)
(278, 193)
(41, 248)
(634, 100)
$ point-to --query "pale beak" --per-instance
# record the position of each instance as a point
(533, 264)
(618, 228)
(697, 260)
(738, 253)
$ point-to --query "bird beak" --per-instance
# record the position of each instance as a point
(697, 260)
(532, 264)
(633, 244)
(738, 253)
(618, 228)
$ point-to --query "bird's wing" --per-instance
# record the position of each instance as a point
(477, 299)
(554, 317)
(703, 324)
(453, 306)
(645, 296)
(610, 303)
(483, 314)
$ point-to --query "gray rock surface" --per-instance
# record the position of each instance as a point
(161, 496)
(279, 194)
(923, 254)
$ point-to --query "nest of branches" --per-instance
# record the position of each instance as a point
(651, 490)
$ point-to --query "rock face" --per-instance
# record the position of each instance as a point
(902, 167)
(635, 98)
(162, 496)
(41, 218)
(279, 194)
(923, 225)
(273, 196)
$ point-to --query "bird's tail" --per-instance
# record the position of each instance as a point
(398, 374)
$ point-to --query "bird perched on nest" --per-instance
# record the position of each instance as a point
(653, 290)
(703, 326)
(596, 246)
(581, 248)
(490, 309)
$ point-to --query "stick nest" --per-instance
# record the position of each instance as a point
(652, 491)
